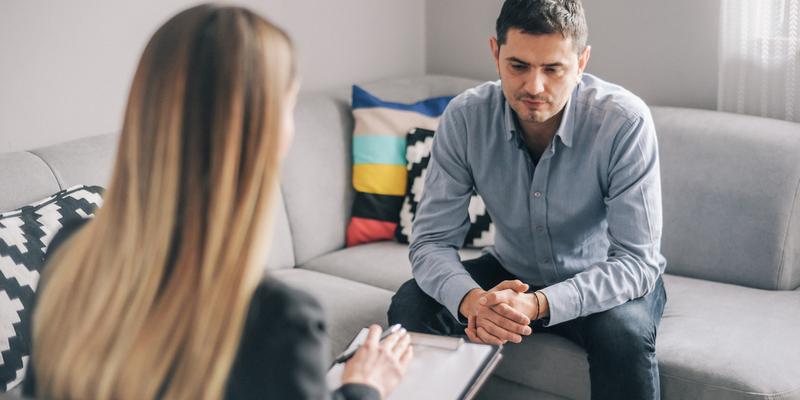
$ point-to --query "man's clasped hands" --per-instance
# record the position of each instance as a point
(503, 313)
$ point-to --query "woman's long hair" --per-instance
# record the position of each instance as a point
(149, 299)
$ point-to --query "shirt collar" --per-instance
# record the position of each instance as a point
(511, 124)
(565, 129)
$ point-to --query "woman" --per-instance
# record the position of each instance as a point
(160, 295)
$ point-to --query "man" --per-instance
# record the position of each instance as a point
(567, 165)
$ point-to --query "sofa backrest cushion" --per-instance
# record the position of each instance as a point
(24, 178)
(86, 161)
(730, 195)
(281, 253)
(315, 179)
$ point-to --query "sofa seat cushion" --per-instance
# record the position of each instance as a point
(716, 341)
(722, 341)
(348, 305)
(383, 264)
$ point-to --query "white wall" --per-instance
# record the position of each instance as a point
(664, 51)
(65, 66)
(458, 37)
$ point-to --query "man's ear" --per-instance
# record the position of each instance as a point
(583, 59)
(495, 48)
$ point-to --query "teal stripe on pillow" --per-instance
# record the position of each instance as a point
(368, 149)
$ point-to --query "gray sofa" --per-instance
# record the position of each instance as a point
(731, 187)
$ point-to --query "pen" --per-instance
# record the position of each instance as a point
(348, 354)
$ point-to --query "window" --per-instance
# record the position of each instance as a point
(759, 57)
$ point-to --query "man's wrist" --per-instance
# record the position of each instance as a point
(544, 305)
(467, 306)
(530, 309)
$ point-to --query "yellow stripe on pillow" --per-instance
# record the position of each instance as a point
(390, 122)
(380, 179)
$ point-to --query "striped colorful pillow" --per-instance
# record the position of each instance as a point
(379, 161)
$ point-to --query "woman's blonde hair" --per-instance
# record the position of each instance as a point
(149, 299)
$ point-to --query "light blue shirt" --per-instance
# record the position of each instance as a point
(585, 221)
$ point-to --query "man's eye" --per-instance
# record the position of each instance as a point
(518, 66)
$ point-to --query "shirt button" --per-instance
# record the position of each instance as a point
(539, 228)
(545, 260)
(537, 194)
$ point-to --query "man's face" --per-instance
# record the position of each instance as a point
(538, 73)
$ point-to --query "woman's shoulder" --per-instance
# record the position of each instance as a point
(273, 291)
(274, 300)
(285, 324)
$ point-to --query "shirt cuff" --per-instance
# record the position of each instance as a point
(454, 290)
(564, 302)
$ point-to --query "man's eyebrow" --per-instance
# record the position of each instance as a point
(517, 60)
(550, 65)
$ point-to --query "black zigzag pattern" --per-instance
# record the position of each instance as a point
(419, 143)
(24, 236)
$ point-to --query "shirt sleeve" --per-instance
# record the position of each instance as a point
(633, 211)
(442, 219)
(284, 351)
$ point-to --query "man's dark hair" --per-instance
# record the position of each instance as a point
(542, 17)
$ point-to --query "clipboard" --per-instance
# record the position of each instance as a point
(443, 367)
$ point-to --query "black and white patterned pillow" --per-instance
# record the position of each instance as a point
(25, 234)
(418, 153)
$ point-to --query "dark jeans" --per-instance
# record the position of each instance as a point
(620, 342)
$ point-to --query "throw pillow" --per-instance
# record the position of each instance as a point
(418, 153)
(25, 234)
(379, 162)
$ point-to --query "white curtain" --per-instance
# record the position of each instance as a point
(759, 56)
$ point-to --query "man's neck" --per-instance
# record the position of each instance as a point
(538, 135)
(542, 131)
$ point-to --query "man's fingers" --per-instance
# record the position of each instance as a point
(510, 284)
(512, 314)
(493, 315)
(470, 331)
(500, 332)
(472, 334)
(508, 324)
(492, 298)
(503, 311)
(486, 337)
(515, 285)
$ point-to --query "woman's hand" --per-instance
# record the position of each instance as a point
(380, 364)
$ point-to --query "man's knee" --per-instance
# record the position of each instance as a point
(622, 331)
(418, 312)
(409, 304)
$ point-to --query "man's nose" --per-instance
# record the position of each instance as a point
(535, 82)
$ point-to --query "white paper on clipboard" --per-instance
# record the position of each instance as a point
(443, 368)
